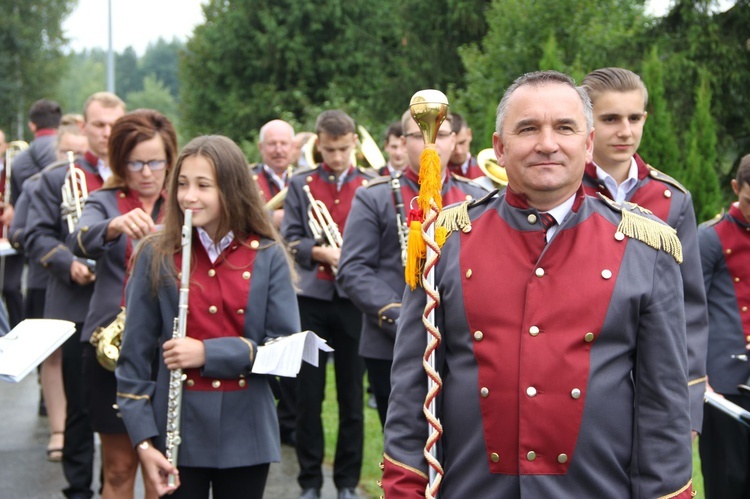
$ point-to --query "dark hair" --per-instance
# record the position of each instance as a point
(132, 129)
(335, 123)
(743, 172)
(458, 123)
(613, 80)
(537, 79)
(45, 113)
(242, 207)
(394, 130)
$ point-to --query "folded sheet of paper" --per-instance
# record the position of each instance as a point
(284, 356)
(5, 248)
(28, 344)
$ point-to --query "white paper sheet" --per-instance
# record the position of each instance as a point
(284, 356)
(28, 344)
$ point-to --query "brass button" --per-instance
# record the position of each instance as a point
(747, 338)
(531, 455)
(322, 268)
(246, 275)
(255, 177)
(336, 201)
(667, 194)
(588, 337)
(744, 309)
(469, 197)
(309, 180)
(242, 383)
(484, 392)
(212, 309)
(531, 391)
(654, 173)
(478, 335)
(619, 236)
(562, 458)
(575, 393)
(533, 330)
(85, 229)
(240, 311)
(122, 195)
(468, 274)
(495, 457)
(532, 218)
(254, 244)
(216, 383)
(364, 182)
(729, 251)
(331, 178)
(190, 382)
(384, 317)
(607, 274)
(211, 272)
(736, 279)
(539, 272)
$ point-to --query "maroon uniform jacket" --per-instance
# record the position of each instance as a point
(670, 201)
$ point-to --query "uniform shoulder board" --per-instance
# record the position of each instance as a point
(369, 173)
(716, 219)
(305, 171)
(456, 217)
(55, 165)
(378, 181)
(658, 175)
(636, 223)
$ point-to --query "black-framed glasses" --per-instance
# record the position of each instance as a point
(153, 165)
(418, 135)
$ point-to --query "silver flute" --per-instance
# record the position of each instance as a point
(174, 402)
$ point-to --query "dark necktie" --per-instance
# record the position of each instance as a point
(547, 221)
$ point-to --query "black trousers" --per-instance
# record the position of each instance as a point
(724, 448)
(339, 322)
(34, 305)
(12, 289)
(78, 450)
(247, 482)
(379, 375)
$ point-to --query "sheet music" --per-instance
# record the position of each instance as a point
(284, 356)
(5, 248)
(28, 344)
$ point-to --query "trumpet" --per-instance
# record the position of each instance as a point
(488, 164)
(108, 340)
(366, 155)
(74, 193)
(324, 229)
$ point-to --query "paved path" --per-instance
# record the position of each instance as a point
(25, 472)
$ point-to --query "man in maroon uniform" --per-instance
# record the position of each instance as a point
(326, 309)
(563, 337)
(619, 98)
(462, 162)
(725, 258)
(276, 144)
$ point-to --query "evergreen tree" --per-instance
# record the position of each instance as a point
(551, 56)
(659, 144)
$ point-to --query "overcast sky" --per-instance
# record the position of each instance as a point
(136, 23)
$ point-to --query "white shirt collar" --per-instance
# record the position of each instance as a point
(103, 169)
(279, 181)
(214, 250)
(620, 192)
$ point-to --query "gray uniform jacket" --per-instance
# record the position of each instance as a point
(41, 152)
(220, 429)
(46, 234)
(37, 277)
(370, 270)
(563, 364)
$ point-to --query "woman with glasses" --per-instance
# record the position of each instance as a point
(142, 151)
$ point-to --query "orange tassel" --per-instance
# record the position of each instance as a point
(429, 179)
(416, 250)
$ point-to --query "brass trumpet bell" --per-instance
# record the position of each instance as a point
(487, 162)
(429, 109)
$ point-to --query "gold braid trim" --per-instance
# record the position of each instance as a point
(250, 346)
(133, 396)
(699, 380)
(455, 218)
(657, 235)
(683, 489)
(405, 466)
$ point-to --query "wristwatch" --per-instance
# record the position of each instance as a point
(144, 445)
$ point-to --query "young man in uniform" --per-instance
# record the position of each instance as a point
(326, 309)
(372, 270)
(395, 150)
(563, 338)
(725, 257)
(619, 98)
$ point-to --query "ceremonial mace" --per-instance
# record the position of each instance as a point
(429, 109)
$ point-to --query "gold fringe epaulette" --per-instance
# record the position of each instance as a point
(663, 177)
(654, 233)
(455, 218)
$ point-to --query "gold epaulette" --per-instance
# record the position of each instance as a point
(653, 232)
(716, 219)
(658, 175)
(456, 217)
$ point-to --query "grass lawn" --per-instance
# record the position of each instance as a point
(373, 449)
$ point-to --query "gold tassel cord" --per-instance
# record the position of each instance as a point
(657, 235)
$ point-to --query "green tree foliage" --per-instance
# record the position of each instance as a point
(155, 95)
(161, 61)
(659, 144)
(701, 161)
(587, 35)
(128, 75)
(551, 56)
(85, 73)
(31, 41)
(255, 60)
